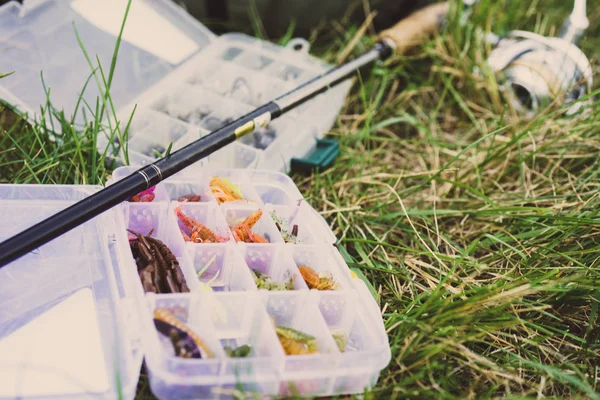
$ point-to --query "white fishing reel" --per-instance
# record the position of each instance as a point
(535, 70)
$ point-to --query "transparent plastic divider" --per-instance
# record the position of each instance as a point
(304, 374)
(275, 194)
(231, 53)
(295, 222)
(344, 313)
(299, 145)
(194, 218)
(224, 112)
(270, 137)
(223, 266)
(153, 125)
(188, 138)
(185, 103)
(235, 155)
(373, 313)
(244, 85)
(272, 261)
(274, 179)
(133, 302)
(237, 213)
(277, 137)
(123, 296)
(173, 377)
(241, 320)
(148, 129)
(285, 71)
(320, 223)
(148, 148)
(199, 68)
(322, 261)
(144, 218)
(355, 381)
(362, 350)
(253, 60)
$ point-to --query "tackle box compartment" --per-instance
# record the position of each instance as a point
(178, 79)
(81, 297)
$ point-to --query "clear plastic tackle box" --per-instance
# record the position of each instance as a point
(76, 319)
(178, 78)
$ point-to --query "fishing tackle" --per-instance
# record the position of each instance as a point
(157, 266)
(199, 233)
(238, 352)
(264, 281)
(295, 342)
(167, 317)
(183, 344)
(145, 196)
(223, 190)
(315, 280)
(340, 339)
(243, 232)
(282, 227)
(194, 198)
(536, 70)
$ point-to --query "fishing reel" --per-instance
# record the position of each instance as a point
(536, 70)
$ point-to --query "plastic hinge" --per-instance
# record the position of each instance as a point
(321, 158)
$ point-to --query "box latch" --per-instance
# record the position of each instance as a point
(320, 159)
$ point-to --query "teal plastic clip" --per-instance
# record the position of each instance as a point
(322, 158)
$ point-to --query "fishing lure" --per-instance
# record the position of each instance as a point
(165, 316)
(317, 281)
(295, 342)
(223, 190)
(243, 231)
(238, 352)
(263, 281)
(183, 344)
(199, 233)
(340, 339)
(157, 266)
(189, 198)
(144, 197)
(288, 237)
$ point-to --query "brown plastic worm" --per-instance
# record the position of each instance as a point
(166, 316)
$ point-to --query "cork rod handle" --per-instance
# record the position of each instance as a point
(414, 29)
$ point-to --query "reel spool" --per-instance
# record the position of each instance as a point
(536, 70)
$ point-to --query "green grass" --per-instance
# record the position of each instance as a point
(479, 230)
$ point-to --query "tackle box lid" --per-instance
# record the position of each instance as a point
(68, 324)
(41, 36)
(53, 49)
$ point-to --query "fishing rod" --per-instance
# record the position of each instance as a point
(398, 39)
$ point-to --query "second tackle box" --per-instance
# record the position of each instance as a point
(173, 77)
(226, 282)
